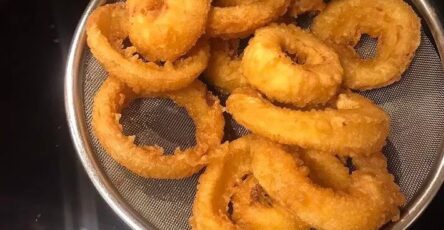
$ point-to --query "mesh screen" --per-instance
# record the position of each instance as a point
(415, 104)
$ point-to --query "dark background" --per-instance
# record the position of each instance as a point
(42, 185)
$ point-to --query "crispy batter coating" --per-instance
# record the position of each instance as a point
(352, 124)
(223, 69)
(164, 29)
(107, 30)
(314, 78)
(253, 209)
(371, 199)
(150, 161)
(393, 22)
(221, 181)
(230, 19)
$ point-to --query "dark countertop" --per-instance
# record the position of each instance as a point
(42, 185)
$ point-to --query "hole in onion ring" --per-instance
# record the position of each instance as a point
(304, 20)
(366, 47)
(349, 164)
(299, 59)
(152, 121)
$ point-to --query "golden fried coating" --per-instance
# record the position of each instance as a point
(392, 22)
(313, 78)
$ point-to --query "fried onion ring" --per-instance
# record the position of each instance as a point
(298, 7)
(230, 19)
(165, 30)
(223, 69)
(352, 124)
(219, 183)
(150, 161)
(267, 68)
(393, 22)
(107, 29)
(370, 200)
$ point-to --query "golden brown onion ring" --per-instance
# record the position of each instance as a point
(237, 19)
(352, 124)
(268, 68)
(298, 7)
(150, 161)
(107, 29)
(219, 182)
(371, 199)
(164, 29)
(393, 22)
(223, 69)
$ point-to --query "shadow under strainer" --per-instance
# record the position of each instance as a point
(158, 121)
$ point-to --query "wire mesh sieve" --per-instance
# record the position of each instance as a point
(414, 149)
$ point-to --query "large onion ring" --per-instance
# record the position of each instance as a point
(298, 7)
(371, 199)
(165, 30)
(107, 29)
(149, 161)
(223, 69)
(393, 22)
(267, 68)
(236, 19)
(353, 124)
(220, 182)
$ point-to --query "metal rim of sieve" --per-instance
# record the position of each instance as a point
(77, 124)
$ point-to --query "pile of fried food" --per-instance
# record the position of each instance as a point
(314, 159)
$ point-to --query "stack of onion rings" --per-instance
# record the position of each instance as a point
(230, 19)
(267, 68)
(393, 22)
(107, 28)
(370, 200)
(154, 29)
(295, 176)
(149, 161)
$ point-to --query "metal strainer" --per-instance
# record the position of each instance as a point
(414, 149)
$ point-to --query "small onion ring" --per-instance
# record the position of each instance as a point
(223, 69)
(164, 29)
(352, 124)
(371, 199)
(393, 22)
(238, 19)
(268, 69)
(107, 29)
(298, 7)
(150, 161)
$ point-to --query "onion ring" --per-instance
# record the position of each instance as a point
(268, 69)
(230, 19)
(353, 124)
(165, 30)
(107, 29)
(298, 7)
(223, 69)
(218, 184)
(371, 199)
(150, 161)
(393, 22)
